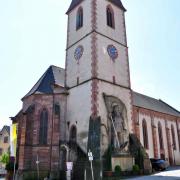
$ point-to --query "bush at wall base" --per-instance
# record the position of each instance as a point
(117, 170)
(136, 169)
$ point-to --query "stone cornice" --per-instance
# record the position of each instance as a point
(156, 114)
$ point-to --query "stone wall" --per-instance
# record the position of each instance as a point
(79, 112)
(48, 154)
(153, 118)
(119, 32)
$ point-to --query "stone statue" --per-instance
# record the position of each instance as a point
(117, 124)
(119, 128)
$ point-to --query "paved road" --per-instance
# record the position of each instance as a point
(172, 173)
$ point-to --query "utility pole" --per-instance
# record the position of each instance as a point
(37, 163)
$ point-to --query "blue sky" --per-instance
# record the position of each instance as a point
(33, 36)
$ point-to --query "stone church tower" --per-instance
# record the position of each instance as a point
(90, 105)
(97, 70)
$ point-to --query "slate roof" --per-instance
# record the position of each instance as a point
(150, 103)
(15, 118)
(7, 128)
(118, 3)
(53, 76)
(75, 3)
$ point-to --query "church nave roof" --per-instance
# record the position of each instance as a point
(150, 103)
(53, 76)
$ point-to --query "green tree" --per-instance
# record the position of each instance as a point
(4, 158)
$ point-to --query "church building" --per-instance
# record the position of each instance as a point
(90, 105)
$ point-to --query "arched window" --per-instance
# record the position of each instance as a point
(160, 136)
(57, 109)
(145, 134)
(173, 137)
(29, 124)
(73, 134)
(79, 18)
(110, 17)
(43, 127)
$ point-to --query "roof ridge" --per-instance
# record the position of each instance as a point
(53, 75)
(146, 95)
(151, 103)
(53, 71)
(169, 106)
(56, 67)
(6, 127)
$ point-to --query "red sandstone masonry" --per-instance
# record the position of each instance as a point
(28, 154)
(157, 114)
(178, 131)
(22, 143)
(154, 135)
(128, 69)
(136, 122)
(131, 103)
(169, 145)
(137, 131)
(67, 44)
(166, 118)
(94, 58)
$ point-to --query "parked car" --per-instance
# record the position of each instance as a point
(159, 164)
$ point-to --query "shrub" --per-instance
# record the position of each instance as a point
(10, 166)
(117, 170)
(5, 158)
(136, 168)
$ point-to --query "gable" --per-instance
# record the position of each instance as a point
(54, 76)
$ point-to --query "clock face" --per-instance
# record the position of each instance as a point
(78, 52)
(112, 51)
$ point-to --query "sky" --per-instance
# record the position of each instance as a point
(33, 37)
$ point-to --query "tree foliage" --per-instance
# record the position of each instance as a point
(4, 158)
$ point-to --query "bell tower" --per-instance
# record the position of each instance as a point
(97, 65)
